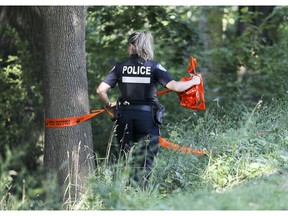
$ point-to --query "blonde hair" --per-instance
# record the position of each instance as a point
(142, 44)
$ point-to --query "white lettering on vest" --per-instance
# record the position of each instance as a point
(136, 70)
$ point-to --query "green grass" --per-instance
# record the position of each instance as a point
(269, 193)
(245, 169)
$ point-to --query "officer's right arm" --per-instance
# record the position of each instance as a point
(102, 91)
(178, 86)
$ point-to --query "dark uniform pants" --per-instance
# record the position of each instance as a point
(137, 136)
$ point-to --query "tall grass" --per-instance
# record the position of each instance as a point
(245, 148)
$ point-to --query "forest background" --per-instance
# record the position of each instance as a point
(242, 56)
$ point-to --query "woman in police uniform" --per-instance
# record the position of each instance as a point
(137, 79)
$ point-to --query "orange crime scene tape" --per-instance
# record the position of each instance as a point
(68, 122)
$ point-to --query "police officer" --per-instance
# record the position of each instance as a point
(137, 79)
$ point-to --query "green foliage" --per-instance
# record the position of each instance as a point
(21, 123)
(18, 189)
(250, 150)
(246, 138)
(108, 190)
(6, 178)
(16, 111)
(266, 193)
(250, 69)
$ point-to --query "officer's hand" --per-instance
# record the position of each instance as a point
(113, 104)
(196, 80)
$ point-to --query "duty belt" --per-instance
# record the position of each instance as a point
(126, 105)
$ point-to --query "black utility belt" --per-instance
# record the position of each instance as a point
(138, 107)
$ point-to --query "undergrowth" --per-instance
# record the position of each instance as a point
(244, 148)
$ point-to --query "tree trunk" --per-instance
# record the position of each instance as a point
(68, 152)
(268, 35)
(210, 30)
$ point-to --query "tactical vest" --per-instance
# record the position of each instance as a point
(136, 81)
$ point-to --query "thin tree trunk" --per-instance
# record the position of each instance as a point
(68, 151)
(210, 32)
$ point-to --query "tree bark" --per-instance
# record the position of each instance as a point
(68, 152)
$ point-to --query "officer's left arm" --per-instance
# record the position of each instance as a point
(180, 86)
(166, 80)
